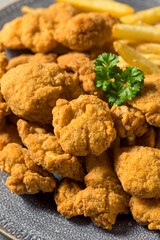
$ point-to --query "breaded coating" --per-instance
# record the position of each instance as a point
(38, 32)
(102, 199)
(36, 88)
(85, 68)
(146, 212)
(83, 126)
(3, 61)
(38, 28)
(85, 31)
(61, 12)
(148, 102)
(72, 61)
(138, 170)
(29, 58)
(57, 11)
(10, 35)
(47, 152)
(128, 121)
(8, 134)
(26, 177)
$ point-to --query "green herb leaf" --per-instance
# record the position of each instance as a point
(119, 85)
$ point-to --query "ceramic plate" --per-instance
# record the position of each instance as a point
(35, 217)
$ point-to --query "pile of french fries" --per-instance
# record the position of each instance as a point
(138, 40)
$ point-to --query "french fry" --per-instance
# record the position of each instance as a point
(151, 56)
(153, 48)
(134, 58)
(122, 64)
(116, 9)
(156, 62)
(27, 9)
(155, 59)
(149, 16)
(136, 32)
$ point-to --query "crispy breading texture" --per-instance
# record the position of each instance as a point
(102, 199)
(85, 68)
(138, 170)
(27, 58)
(148, 102)
(38, 32)
(85, 31)
(38, 27)
(3, 61)
(10, 35)
(146, 212)
(83, 126)
(128, 121)
(40, 85)
(46, 152)
(26, 177)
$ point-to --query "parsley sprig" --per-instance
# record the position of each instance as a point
(119, 85)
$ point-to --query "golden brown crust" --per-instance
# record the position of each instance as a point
(38, 27)
(10, 35)
(128, 121)
(146, 212)
(85, 31)
(27, 58)
(26, 177)
(40, 85)
(138, 170)
(38, 32)
(46, 152)
(102, 199)
(83, 126)
(85, 68)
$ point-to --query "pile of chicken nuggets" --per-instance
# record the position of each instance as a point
(53, 119)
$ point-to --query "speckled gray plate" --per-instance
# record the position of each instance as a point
(35, 217)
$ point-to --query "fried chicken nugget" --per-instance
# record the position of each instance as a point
(83, 126)
(146, 212)
(36, 88)
(148, 102)
(3, 61)
(26, 177)
(138, 170)
(10, 35)
(46, 152)
(37, 32)
(38, 27)
(85, 68)
(128, 121)
(85, 31)
(29, 58)
(102, 199)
